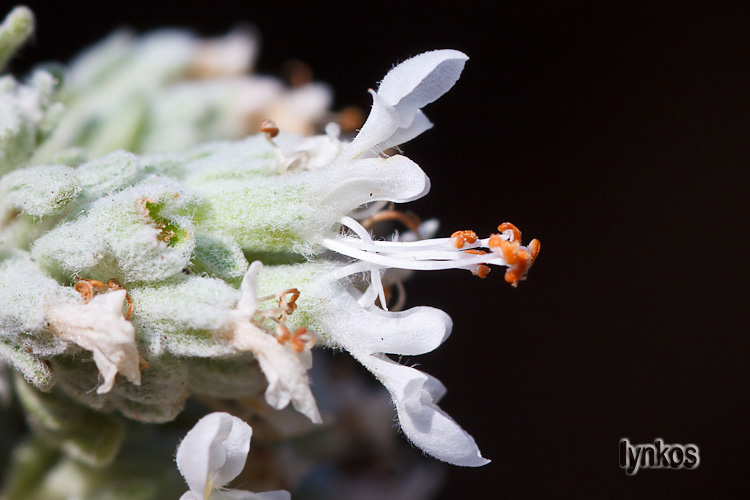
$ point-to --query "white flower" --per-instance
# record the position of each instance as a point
(396, 115)
(284, 367)
(368, 333)
(212, 454)
(416, 395)
(101, 328)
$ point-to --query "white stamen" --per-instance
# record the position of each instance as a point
(415, 260)
(424, 255)
(375, 276)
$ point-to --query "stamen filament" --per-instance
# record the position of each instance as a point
(375, 276)
(415, 262)
(407, 246)
(461, 251)
(433, 254)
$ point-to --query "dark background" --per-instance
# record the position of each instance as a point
(618, 136)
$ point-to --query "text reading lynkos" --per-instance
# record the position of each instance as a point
(659, 455)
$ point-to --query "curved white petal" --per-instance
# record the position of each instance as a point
(236, 446)
(415, 395)
(415, 331)
(423, 78)
(396, 179)
(401, 135)
(213, 452)
(395, 117)
(381, 124)
(367, 333)
(248, 302)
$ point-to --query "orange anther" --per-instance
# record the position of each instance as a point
(269, 127)
(512, 276)
(465, 236)
(282, 334)
(509, 250)
(482, 271)
(298, 72)
(98, 285)
(301, 337)
(131, 306)
(87, 288)
(534, 246)
(507, 225)
(517, 257)
(515, 273)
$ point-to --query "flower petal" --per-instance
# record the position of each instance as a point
(422, 79)
(395, 116)
(213, 452)
(382, 123)
(283, 368)
(248, 302)
(414, 331)
(401, 135)
(396, 179)
(415, 395)
(200, 453)
(100, 327)
(236, 446)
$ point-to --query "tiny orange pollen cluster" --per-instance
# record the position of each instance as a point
(519, 258)
(286, 306)
(87, 289)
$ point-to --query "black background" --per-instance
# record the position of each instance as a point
(618, 136)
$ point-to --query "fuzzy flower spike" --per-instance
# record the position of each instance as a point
(214, 271)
